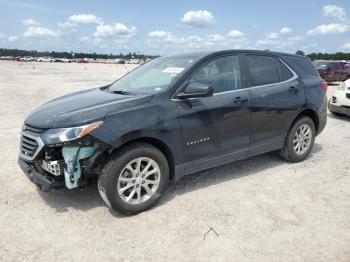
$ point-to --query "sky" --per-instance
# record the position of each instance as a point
(168, 27)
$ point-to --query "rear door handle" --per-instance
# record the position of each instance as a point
(240, 99)
(293, 89)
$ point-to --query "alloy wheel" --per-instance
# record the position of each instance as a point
(302, 139)
(139, 180)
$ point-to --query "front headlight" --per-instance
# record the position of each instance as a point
(59, 135)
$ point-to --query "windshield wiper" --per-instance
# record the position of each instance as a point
(121, 92)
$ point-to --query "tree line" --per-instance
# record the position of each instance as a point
(326, 56)
(70, 55)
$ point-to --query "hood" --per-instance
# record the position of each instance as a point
(81, 108)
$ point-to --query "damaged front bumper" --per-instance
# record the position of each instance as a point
(43, 181)
(70, 164)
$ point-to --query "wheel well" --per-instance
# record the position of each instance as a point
(310, 113)
(161, 146)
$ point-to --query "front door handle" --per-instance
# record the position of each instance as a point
(293, 89)
(240, 99)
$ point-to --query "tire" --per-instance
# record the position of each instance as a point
(296, 147)
(126, 172)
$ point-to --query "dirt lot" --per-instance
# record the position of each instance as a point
(260, 209)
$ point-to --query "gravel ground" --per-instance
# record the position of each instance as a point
(260, 209)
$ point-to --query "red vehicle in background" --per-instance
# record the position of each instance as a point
(334, 71)
(82, 61)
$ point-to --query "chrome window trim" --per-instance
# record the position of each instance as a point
(40, 146)
(215, 94)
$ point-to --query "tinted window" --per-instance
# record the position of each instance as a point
(285, 73)
(223, 74)
(263, 70)
(336, 66)
(302, 66)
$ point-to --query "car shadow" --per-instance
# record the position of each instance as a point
(222, 174)
(88, 197)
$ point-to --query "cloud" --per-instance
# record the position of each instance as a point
(326, 29)
(85, 19)
(295, 38)
(285, 30)
(38, 31)
(334, 12)
(162, 40)
(199, 18)
(264, 42)
(67, 24)
(272, 36)
(84, 39)
(12, 38)
(5, 38)
(114, 30)
(235, 34)
(215, 38)
(279, 40)
(159, 34)
(346, 46)
(30, 22)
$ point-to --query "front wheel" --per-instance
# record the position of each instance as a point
(300, 140)
(134, 179)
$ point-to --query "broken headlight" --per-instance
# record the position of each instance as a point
(60, 135)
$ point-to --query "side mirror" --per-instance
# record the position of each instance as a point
(194, 90)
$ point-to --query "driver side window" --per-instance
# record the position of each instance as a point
(223, 74)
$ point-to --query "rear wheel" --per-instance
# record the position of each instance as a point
(300, 140)
(134, 179)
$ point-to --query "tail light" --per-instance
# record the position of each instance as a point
(324, 85)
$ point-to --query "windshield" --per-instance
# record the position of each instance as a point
(323, 65)
(154, 76)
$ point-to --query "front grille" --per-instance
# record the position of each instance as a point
(31, 143)
(33, 130)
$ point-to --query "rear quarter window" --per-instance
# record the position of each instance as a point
(302, 66)
(285, 73)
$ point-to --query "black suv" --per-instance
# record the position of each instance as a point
(171, 117)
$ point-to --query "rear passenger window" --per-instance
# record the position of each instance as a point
(263, 69)
(285, 73)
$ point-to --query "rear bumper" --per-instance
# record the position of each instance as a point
(322, 116)
(44, 182)
(339, 109)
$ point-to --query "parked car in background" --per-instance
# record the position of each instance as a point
(27, 59)
(171, 117)
(339, 103)
(333, 71)
(133, 61)
(119, 61)
(45, 59)
(82, 61)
